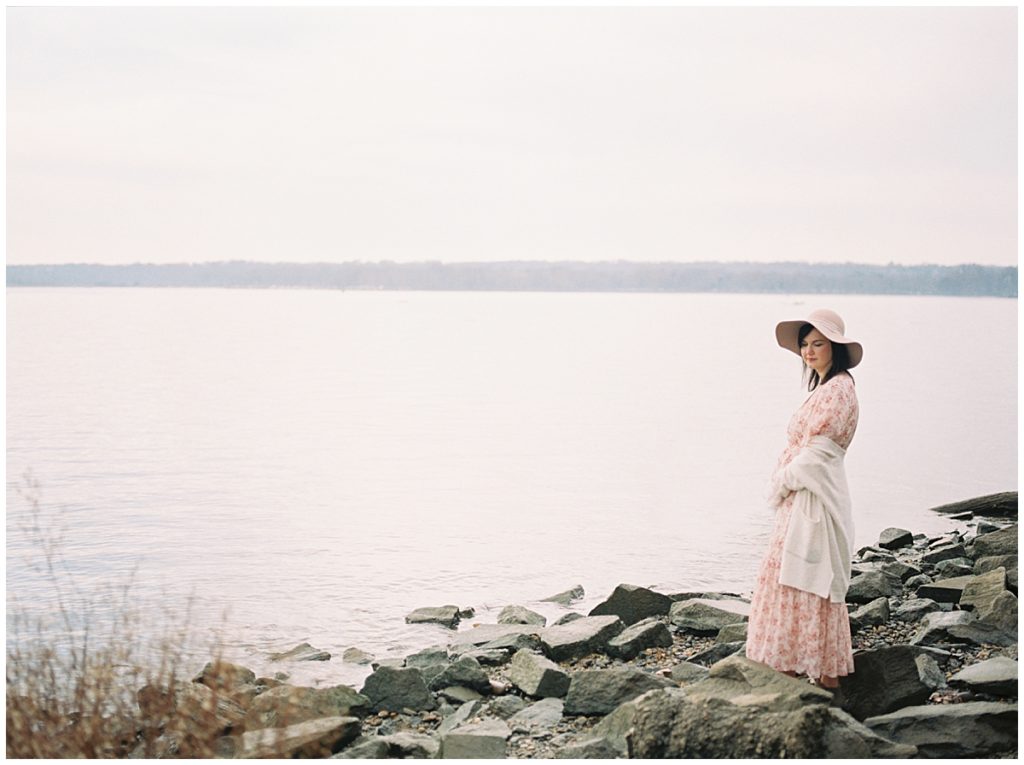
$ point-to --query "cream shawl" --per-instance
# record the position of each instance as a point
(818, 549)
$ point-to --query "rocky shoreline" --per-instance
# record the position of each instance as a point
(649, 675)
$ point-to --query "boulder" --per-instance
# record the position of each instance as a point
(870, 555)
(545, 713)
(899, 570)
(867, 587)
(717, 652)
(488, 634)
(616, 726)
(464, 713)
(1002, 542)
(189, 709)
(944, 590)
(464, 671)
(687, 672)
(289, 704)
(393, 662)
(446, 616)
(996, 676)
(458, 694)
(489, 656)
(506, 706)
(633, 604)
(732, 633)
(738, 676)
(706, 617)
(959, 627)
(513, 643)
(972, 729)
(916, 581)
(520, 615)
(223, 676)
(872, 614)
(537, 676)
(671, 724)
(894, 538)
(569, 617)
(889, 678)
(1002, 614)
(1002, 505)
(980, 591)
(398, 689)
(302, 652)
(580, 637)
(356, 656)
(428, 657)
(315, 738)
(944, 552)
(599, 691)
(476, 740)
(954, 567)
(648, 633)
(915, 609)
(989, 562)
(568, 597)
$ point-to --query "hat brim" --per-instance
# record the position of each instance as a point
(787, 333)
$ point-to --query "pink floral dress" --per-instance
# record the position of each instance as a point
(792, 630)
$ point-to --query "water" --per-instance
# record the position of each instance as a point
(313, 465)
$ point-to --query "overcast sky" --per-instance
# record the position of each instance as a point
(668, 134)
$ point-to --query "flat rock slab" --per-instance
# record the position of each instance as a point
(446, 616)
(1001, 505)
(649, 633)
(944, 552)
(706, 617)
(738, 676)
(633, 604)
(899, 570)
(484, 634)
(687, 672)
(590, 748)
(476, 740)
(546, 713)
(600, 691)
(356, 656)
(302, 652)
(580, 637)
(536, 675)
(959, 627)
(996, 676)
(981, 591)
(944, 590)
(989, 562)
(972, 729)
(317, 738)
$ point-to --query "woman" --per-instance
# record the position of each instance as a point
(798, 617)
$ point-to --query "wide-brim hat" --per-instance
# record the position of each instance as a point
(828, 323)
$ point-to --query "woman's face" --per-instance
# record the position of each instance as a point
(816, 351)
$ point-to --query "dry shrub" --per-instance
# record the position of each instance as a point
(82, 681)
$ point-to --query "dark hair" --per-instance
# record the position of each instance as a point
(840, 360)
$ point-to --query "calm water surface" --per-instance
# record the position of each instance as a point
(313, 465)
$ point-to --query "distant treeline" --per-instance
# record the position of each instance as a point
(617, 276)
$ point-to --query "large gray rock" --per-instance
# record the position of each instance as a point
(289, 704)
(886, 679)
(545, 713)
(446, 616)
(1002, 505)
(356, 656)
(899, 570)
(476, 740)
(590, 748)
(566, 618)
(706, 617)
(406, 745)
(989, 562)
(972, 729)
(732, 633)
(944, 590)
(536, 675)
(464, 713)
(636, 638)
(670, 724)
(894, 538)
(740, 677)
(867, 587)
(915, 609)
(687, 672)
(364, 748)
(506, 706)
(581, 637)
(871, 614)
(464, 671)
(488, 635)
(316, 738)
(981, 591)
(944, 552)
(223, 676)
(959, 627)
(1002, 614)
(517, 642)
(520, 615)
(996, 676)
(954, 567)
(568, 597)
(397, 689)
(302, 652)
(189, 709)
(633, 604)
(428, 657)
(599, 691)
(1002, 542)
(717, 652)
